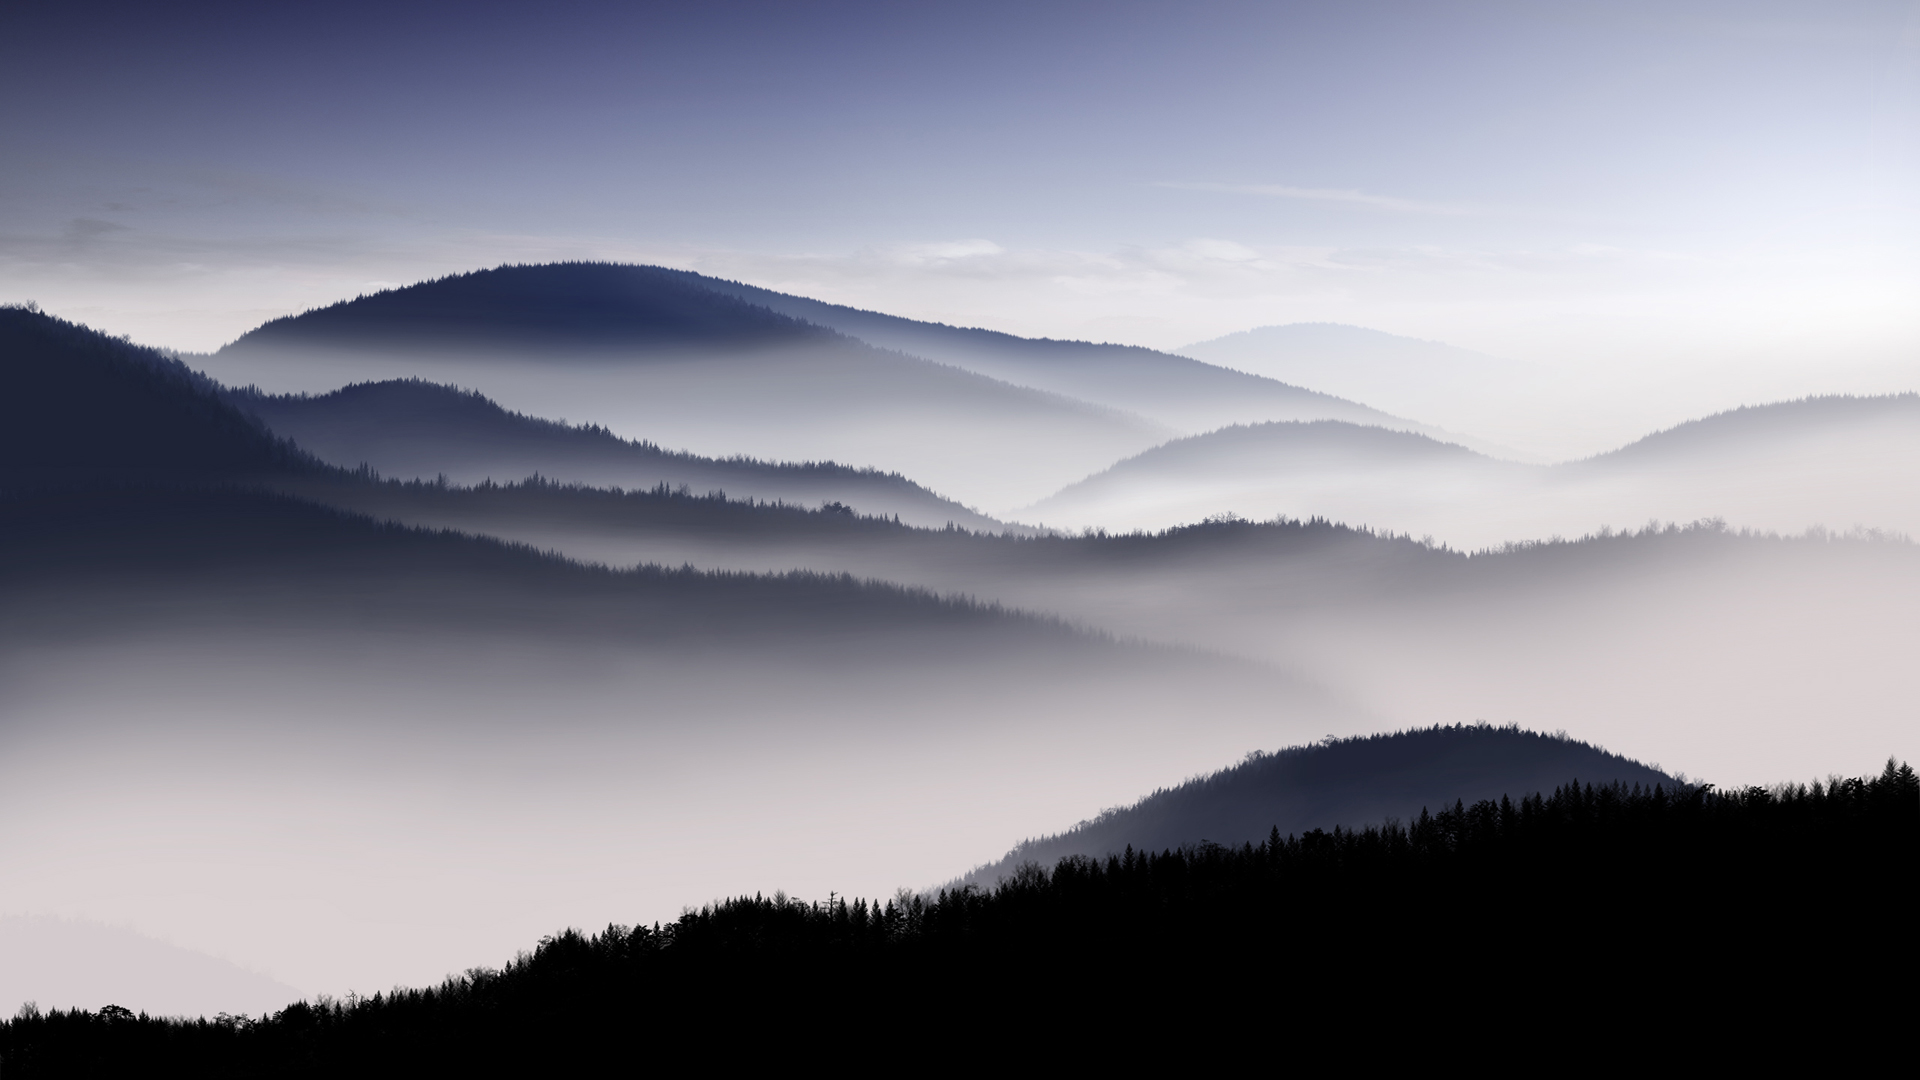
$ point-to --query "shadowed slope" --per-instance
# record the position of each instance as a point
(567, 306)
(81, 407)
(1341, 782)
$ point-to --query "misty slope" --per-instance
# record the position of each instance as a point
(1836, 462)
(410, 429)
(1178, 391)
(653, 357)
(1346, 782)
(1506, 401)
(1656, 640)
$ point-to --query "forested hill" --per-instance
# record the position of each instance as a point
(132, 560)
(1340, 782)
(82, 407)
(413, 429)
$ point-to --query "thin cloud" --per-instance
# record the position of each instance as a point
(1340, 195)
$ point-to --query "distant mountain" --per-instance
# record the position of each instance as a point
(1834, 462)
(1508, 402)
(651, 355)
(1341, 782)
(412, 429)
(1180, 392)
(1388, 479)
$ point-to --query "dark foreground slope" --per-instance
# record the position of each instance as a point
(1340, 782)
(1594, 912)
(79, 407)
(410, 429)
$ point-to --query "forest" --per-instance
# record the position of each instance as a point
(1596, 904)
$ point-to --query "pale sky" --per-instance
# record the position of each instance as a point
(1727, 190)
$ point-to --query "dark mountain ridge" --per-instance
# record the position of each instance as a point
(552, 306)
(1339, 782)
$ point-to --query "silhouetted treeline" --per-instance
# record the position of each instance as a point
(1591, 907)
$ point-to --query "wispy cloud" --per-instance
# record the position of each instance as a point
(1338, 195)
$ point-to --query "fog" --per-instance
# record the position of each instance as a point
(348, 756)
(352, 815)
(330, 729)
(1737, 658)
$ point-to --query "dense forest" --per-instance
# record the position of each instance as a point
(1595, 905)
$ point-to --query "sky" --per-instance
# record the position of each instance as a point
(1717, 191)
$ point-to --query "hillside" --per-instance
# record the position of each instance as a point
(410, 429)
(640, 351)
(81, 407)
(1349, 782)
(1177, 391)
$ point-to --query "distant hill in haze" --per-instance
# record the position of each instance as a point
(1832, 462)
(652, 355)
(412, 429)
(1781, 433)
(1183, 393)
(1520, 409)
(1341, 782)
(1388, 479)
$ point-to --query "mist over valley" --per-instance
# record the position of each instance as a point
(569, 540)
